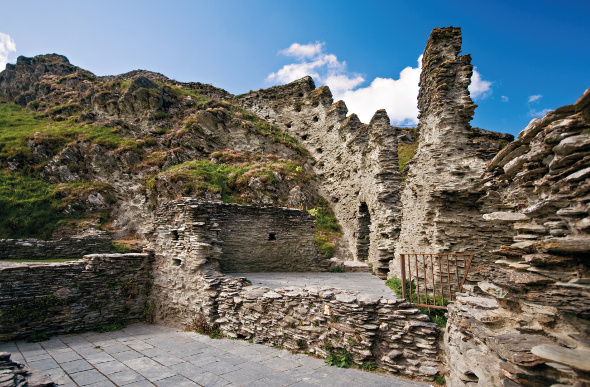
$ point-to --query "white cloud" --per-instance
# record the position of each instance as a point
(479, 89)
(505, 99)
(534, 98)
(398, 97)
(7, 46)
(303, 51)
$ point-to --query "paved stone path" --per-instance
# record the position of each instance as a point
(147, 355)
(359, 282)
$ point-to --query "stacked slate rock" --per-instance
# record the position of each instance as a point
(14, 374)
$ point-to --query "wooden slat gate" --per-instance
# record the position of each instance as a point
(431, 280)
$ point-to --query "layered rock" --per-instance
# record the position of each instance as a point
(529, 323)
(356, 163)
(441, 196)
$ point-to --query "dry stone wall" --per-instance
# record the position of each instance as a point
(357, 163)
(67, 247)
(74, 296)
(194, 240)
(441, 197)
(390, 333)
(526, 323)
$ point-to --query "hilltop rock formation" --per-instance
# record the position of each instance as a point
(129, 128)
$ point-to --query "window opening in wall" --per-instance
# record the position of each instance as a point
(272, 236)
(364, 231)
(176, 261)
(175, 235)
(304, 137)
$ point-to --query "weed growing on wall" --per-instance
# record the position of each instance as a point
(327, 228)
(436, 315)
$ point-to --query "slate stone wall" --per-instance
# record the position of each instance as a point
(390, 333)
(526, 322)
(69, 247)
(357, 164)
(76, 296)
(260, 239)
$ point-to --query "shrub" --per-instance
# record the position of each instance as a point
(339, 357)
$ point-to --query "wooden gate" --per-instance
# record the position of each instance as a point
(431, 280)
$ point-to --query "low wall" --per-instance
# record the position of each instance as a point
(72, 248)
(390, 333)
(74, 296)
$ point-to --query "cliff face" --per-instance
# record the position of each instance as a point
(441, 196)
(356, 164)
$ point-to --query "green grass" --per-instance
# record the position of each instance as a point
(18, 126)
(229, 180)
(327, 228)
(26, 206)
(436, 315)
(338, 357)
(32, 208)
(405, 152)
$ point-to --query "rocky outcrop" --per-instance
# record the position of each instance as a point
(356, 163)
(441, 197)
(528, 323)
(14, 374)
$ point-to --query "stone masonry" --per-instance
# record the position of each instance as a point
(75, 296)
(68, 247)
(526, 323)
(193, 240)
(441, 195)
(388, 332)
(357, 163)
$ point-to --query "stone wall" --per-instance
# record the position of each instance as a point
(261, 239)
(194, 240)
(441, 196)
(357, 164)
(526, 323)
(67, 247)
(74, 296)
(388, 332)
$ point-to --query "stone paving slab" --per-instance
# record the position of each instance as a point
(358, 282)
(154, 355)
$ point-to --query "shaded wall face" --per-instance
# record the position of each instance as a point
(267, 239)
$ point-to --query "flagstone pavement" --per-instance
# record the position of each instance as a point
(147, 355)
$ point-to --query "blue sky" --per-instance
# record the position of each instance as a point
(534, 55)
